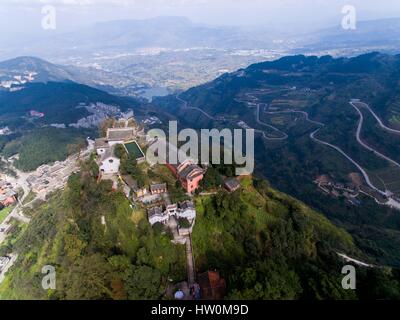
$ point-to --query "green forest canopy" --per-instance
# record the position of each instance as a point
(264, 243)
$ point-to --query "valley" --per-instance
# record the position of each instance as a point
(309, 126)
(324, 135)
(166, 54)
(391, 197)
(199, 158)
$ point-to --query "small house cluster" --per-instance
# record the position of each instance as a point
(159, 208)
(48, 178)
(8, 196)
(231, 184)
(36, 114)
(146, 195)
(177, 216)
(183, 210)
(350, 190)
(5, 131)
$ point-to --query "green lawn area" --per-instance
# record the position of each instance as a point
(394, 119)
(137, 215)
(134, 150)
(4, 213)
(246, 182)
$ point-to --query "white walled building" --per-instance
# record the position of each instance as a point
(109, 163)
(184, 210)
(172, 209)
(187, 211)
(157, 215)
(101, 146)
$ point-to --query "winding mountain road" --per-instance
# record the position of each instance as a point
(257, 105)
(338, 149)
(284, 134)
(363, 144)
(248, 104)
(186, 106)
(306, 116)
(358, 134)
(358, 137)
(253, 102)
(380, 122)
(361, 169)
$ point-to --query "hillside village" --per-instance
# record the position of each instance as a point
(165, 192)
(177, 216)
(155, 196)
(8, 194)
(350, 191)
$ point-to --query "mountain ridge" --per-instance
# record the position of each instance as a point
(285, 94)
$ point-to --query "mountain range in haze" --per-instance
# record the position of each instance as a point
(180, 33)
(131, 56)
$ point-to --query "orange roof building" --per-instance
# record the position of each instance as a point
(212, 286)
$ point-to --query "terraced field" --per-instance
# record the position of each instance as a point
(388, 178)
(394, 114)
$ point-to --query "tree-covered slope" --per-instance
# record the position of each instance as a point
(62, 104)
(121, 259)
(321, 88)
(57, 100)
(40, 70)
(372, 77)
(264, 243)
(45, 145)
(271, 246)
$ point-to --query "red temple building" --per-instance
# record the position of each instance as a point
(185, 169)
(188, 173)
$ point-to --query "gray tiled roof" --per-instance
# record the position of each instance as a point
(155, 211)
(186, 205)
(130, 182)
(7, 195)
(100, 143)
(108, 153)
(232, 183)
(120, 134)
(183, 174)
(158, 186)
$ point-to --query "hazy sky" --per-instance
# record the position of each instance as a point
(18, 16)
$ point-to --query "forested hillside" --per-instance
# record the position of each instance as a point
(121, 259)
(287, 100)
(47, 138)
(45, 145)
(265, 244)
(57, 100)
